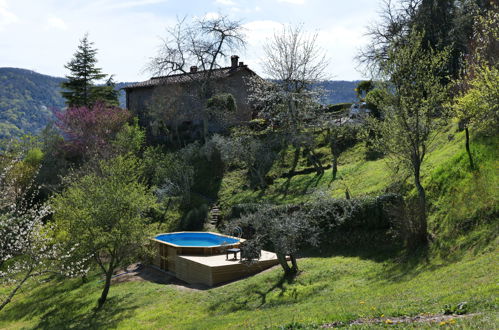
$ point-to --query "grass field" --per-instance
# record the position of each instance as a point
(335, 285)
(330, 288)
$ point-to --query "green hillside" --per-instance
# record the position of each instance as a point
(369, 284)
(27, 99)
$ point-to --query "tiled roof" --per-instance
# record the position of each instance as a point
(187, 77)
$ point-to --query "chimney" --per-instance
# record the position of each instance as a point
(241, 63)
(233, 60)
(194, 69)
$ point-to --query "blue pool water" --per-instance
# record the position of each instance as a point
(196, 239)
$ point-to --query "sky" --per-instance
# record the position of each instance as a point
(42, 35)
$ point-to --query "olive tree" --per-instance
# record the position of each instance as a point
(284, 229)
(256, 154)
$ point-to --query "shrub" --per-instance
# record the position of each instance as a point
(337, 213)
(338, 107)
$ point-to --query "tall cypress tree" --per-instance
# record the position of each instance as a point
(79, 88)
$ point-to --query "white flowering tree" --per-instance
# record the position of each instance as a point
(26, 248)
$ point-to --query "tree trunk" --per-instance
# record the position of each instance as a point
(294, 267)
(288, 271)
(296, 158)
(335, 166)
(472, 165)
(317, 163)
(422, 230)
(284, 263)
(13, 292)
(107, 285)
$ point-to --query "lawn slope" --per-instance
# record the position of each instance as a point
(341, 284)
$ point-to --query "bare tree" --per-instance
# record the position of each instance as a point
(295, 63)
(198, 47)
(202, 43)
(390, 31)
(294, 59)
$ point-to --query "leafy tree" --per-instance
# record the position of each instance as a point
(443, 24)
(284, 229)
(373, 98)
(477, 104)
(130, 139)
(364, 87)
(171, 174)
(254, 154)
(80, 88)
(222, 109)
(103, 215)
(412, 111)
(338, 135)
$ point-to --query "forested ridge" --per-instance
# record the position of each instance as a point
(27, 99)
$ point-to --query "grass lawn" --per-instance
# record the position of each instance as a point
(330, 288)
(462, 264)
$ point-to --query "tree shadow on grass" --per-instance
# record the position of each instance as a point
(54, 306)
(375, 245)
(109, 316)
(399, 263)
(252, 296)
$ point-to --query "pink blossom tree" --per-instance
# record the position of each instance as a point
(88, 131)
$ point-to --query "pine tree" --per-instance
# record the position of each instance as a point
(79, 88)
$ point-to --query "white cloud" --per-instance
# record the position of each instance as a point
(6, 17)
(225, 2)
(211, 15)
(294, 2)
(56, 23)
(257, 33)
(46, 33)
(342, 44)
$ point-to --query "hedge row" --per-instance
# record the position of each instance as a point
(370, 213)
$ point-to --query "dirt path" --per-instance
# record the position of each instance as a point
(441, 319)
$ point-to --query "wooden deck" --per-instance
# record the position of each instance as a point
(212, 270)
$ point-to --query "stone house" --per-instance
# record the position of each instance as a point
(177, 103)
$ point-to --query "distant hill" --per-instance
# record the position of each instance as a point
(339, 91)
(27, 99)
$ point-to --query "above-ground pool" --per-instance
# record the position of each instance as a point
(196, 239)
(190, 243)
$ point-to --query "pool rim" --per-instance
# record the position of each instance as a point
(198, 232)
